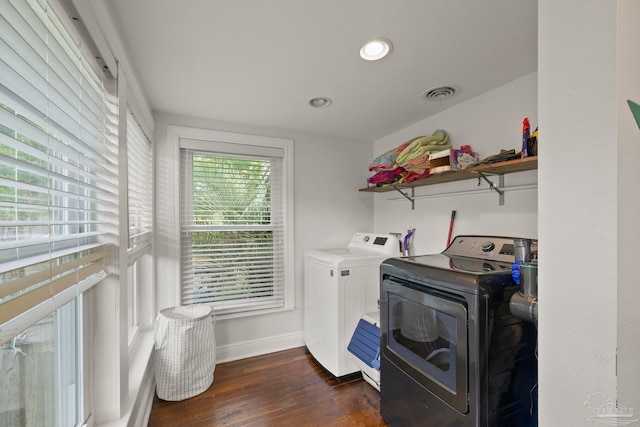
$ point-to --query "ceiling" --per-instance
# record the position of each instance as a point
(259, 62)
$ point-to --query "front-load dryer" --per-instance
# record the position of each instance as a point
(340, 286)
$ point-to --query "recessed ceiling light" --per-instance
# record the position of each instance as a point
(320, 102)
(375, 49)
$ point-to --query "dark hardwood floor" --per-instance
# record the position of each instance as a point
(288, 388)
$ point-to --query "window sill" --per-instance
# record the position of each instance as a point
(220, 314)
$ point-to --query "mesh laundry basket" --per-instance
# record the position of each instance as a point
(185, 352)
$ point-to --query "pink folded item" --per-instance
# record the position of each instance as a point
(418, 161)
(412, 176)
(384, 177)
(417, 166)
(418, 169)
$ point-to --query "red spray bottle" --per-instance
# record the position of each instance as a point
(526, 131)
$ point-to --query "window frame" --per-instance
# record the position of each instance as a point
(204, 139)
(139, 273)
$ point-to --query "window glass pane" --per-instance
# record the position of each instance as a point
(229, 191)
(39, 373)
(232, 265)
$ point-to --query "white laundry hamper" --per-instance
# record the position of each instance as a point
(185, 351)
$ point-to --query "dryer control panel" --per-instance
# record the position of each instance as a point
(484, 247)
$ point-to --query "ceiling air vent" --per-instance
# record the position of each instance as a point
(440, 93)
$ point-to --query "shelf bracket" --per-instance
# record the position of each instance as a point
(493, 187)
(409, 198)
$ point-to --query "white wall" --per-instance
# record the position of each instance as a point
(588, 178)
(628, 204)
(488, 123)
(578, 228)
(328, 210)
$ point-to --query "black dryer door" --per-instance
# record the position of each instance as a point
(424, 333)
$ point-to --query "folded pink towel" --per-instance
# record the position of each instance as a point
(384, 177)
(413, 176)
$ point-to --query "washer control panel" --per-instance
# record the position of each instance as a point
(486, 247)
(384, 244)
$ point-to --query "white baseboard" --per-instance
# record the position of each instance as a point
(242, 350)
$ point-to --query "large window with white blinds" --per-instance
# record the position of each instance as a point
(235, 239)
(58, 209)
(58, 157)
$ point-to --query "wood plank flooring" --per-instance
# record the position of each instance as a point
(288, 388)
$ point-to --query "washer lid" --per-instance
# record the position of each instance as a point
(344, 257)
(363, 249)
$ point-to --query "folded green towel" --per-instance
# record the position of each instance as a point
(423, 146)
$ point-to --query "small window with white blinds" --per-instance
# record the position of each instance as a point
(58, 165)
(233, 228)
(140, 189)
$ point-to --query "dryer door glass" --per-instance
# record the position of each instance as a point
(425, 334)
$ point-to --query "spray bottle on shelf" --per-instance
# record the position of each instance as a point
(526, 132)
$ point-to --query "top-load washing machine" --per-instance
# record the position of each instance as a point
(340, 286)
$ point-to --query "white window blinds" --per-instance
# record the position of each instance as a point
(232, 227)
(140, 189)
(58, 162)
